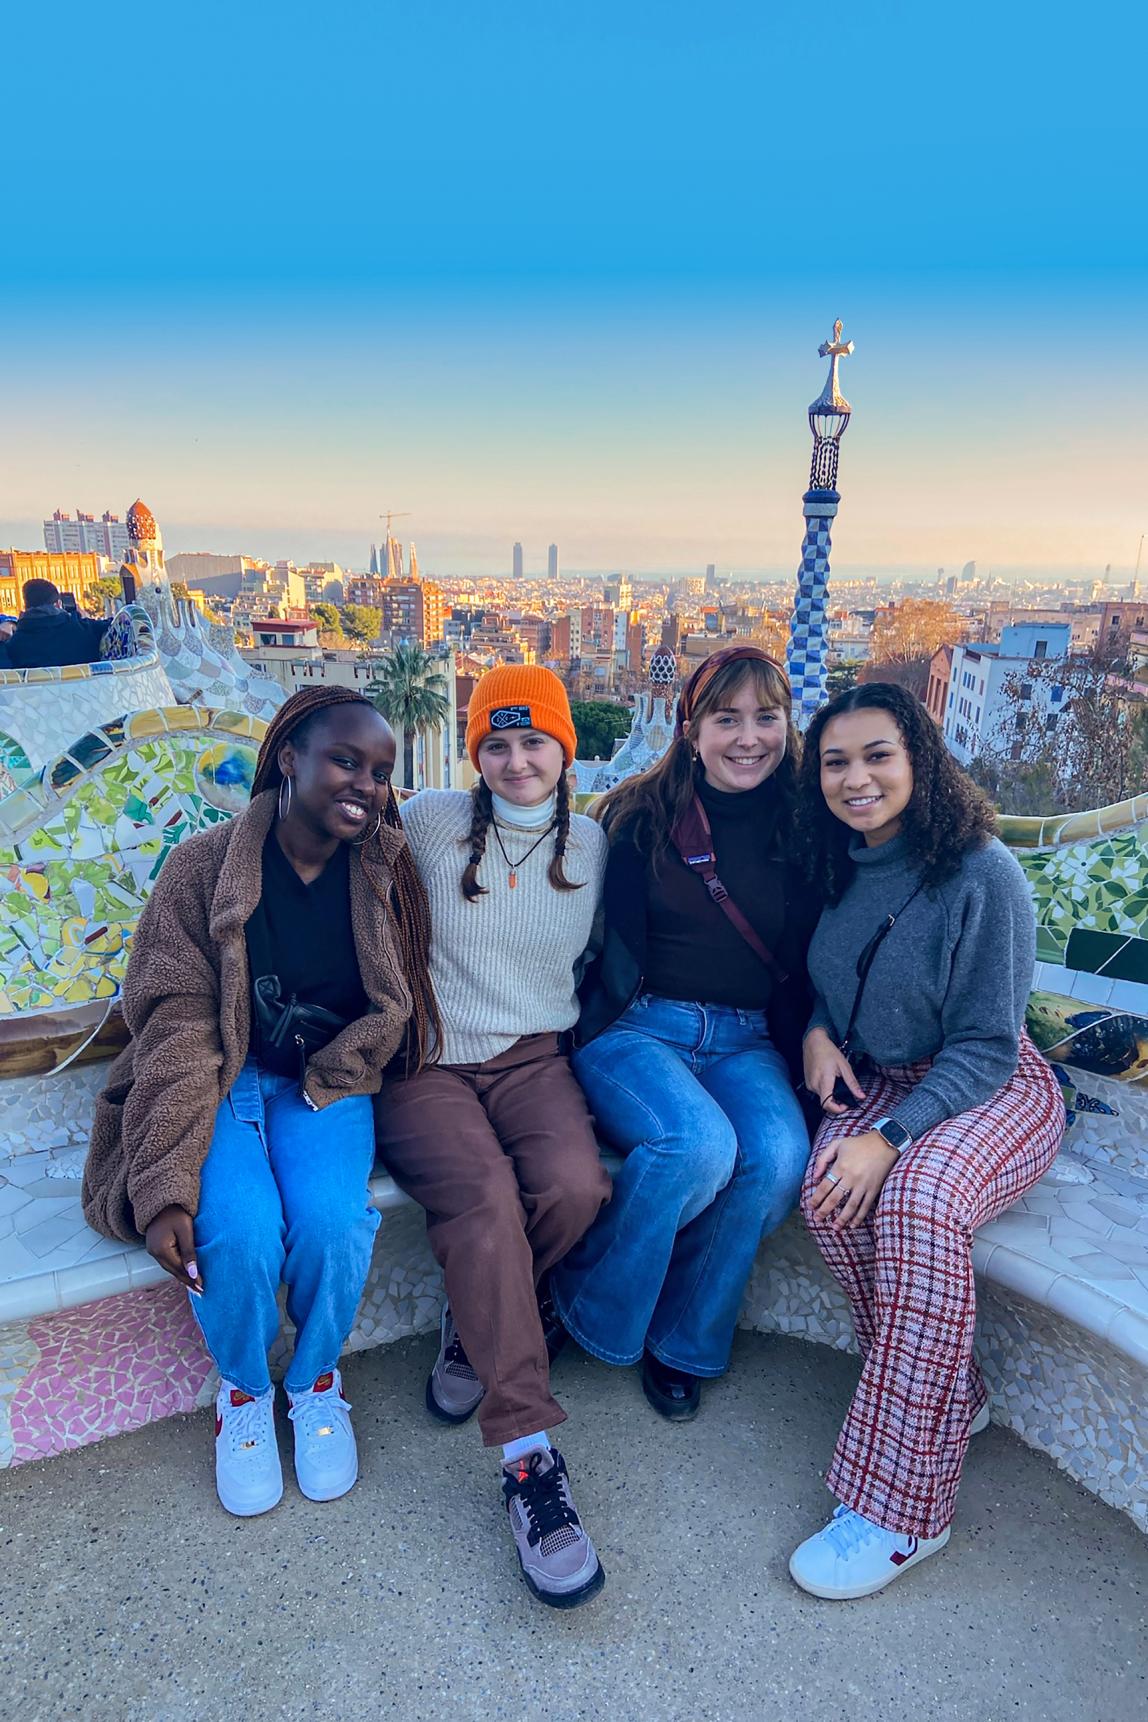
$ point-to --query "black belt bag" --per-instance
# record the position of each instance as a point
(286, 1022)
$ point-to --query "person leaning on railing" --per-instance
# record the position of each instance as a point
(46, 635)
(939, 1110)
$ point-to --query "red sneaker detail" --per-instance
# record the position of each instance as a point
(324, 1382)
(238, 1397)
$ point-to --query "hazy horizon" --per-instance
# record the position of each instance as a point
(563, 276)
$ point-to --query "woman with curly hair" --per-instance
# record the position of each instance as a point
(494, 1139)
(682, 1032)
(940, 1112)
(279, 964)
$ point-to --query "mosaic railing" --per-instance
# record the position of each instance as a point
(81, 846)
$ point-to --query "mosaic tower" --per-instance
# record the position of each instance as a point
(805, 654)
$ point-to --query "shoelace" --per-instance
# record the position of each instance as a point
(542, 1497)
(455, 1359)
(851, 1531)
(246, 1427)
(316, 1413)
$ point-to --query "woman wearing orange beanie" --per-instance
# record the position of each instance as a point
(494, 1139)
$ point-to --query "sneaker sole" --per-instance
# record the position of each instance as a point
(568, 1598)
(248, 1511)
(854, 1592)
(453, 1417)
(333, 1493)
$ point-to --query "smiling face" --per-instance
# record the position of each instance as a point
(740, 742)
(521, 765)
(866, 772)
(339, 768)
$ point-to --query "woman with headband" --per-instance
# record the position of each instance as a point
(273, 974)
(699, 983)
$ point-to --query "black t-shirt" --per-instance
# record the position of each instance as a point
(310, 942)
(693, 951)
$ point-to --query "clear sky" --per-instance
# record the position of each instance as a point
(560, 272)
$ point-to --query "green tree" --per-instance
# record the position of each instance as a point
(843, 676)
(361, 622)
(411, 692)
(328, 618)
(95, 595)
(598, 724)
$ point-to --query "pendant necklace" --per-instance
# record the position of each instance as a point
(513, 866)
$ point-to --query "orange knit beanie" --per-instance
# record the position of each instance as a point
(520, 696)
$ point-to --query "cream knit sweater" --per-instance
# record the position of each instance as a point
(502, 966)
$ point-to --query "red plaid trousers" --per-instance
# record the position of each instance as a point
(908, 1274)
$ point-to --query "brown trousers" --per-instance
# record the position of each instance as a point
(502, 1156)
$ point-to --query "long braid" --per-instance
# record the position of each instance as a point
(406, 903)
(556, 872)
(481, 814)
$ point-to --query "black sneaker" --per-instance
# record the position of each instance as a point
(672, 1393)
(557, 1558)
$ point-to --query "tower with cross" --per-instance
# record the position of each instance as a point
(805, 654)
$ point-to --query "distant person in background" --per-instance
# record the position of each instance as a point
(47, 635)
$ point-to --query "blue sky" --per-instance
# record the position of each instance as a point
(538, 272)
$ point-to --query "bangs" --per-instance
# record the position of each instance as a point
(769, 683)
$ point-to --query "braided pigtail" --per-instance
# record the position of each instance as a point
(556, 872)
(409, 911)
(482, 812)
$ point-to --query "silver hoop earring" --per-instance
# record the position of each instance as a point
(360, 842)
(284, 805)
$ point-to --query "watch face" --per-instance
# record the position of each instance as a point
(895, 1134)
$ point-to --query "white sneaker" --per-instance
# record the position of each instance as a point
(326, 1458)
(248, 1474)
(982, 1420)
(854, 1557)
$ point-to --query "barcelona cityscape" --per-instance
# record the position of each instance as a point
(574, 865)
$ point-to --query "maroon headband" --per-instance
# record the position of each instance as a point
(708, 669)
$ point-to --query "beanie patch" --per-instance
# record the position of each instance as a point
(511, 717)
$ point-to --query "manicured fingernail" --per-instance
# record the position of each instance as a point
(192, 1271)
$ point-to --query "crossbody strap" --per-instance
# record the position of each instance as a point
(694, 841)
(865, 961)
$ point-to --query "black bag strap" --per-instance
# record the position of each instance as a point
(259, 943)
(865, 961)
(694, 842)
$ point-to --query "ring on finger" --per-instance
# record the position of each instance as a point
(832, 1178)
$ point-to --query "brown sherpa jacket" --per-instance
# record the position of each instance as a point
(187, 1004)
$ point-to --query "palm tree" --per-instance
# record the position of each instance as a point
(411, 693)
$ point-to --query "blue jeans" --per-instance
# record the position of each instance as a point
(283, 1197)
(700, 1104)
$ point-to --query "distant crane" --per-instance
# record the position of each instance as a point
(390, 514)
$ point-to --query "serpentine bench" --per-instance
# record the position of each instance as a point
(94, 1339)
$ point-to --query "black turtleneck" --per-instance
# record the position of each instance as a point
(693, 951)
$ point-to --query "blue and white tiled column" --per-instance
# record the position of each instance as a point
(807, 650)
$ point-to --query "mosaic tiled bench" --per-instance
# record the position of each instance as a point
(95, 1339)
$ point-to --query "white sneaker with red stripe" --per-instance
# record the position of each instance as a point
(854, 1557)
(248, 1474)
(326, 1458)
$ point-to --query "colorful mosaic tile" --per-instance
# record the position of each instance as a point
(73, 882)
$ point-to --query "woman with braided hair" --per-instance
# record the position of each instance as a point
(494, 1140)
(279, 965)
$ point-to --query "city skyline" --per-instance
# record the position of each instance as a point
(607, 340)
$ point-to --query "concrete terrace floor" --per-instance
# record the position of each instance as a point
(129, 1596)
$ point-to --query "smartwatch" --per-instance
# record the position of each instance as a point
(894, 1134)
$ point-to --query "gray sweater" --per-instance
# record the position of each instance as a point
(950, 981)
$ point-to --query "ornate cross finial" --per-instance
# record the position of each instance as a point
(838, 348)
(831, 397)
